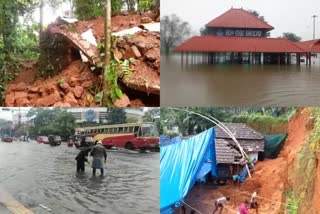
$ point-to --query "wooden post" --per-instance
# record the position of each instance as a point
(187, 56)
(181, 58)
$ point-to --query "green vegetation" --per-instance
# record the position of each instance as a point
(292, 207)
(306, 163)
(271, 120)
(116, 116)
(118, 68)
(88, 9)
(17, 41)
(55, 121)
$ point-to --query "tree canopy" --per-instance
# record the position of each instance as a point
(116, 116)
(191, 124)
(291, 36)
(173, 31)
(55, 121)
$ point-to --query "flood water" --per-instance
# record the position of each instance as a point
(238, 85)
(37, 174)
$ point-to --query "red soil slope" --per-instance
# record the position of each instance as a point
(269, 179)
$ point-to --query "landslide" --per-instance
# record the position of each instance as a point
(271, 178)
(70, 82)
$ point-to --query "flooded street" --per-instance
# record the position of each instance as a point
(38, 174)
(238, 85)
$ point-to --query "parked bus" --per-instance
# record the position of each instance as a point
(143, 136)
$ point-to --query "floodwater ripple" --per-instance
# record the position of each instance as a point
(39, 174)
(238, 85)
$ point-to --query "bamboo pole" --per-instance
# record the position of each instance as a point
(223, 127)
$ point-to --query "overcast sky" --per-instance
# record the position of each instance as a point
(284, 15)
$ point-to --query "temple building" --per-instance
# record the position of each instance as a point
(237, 36)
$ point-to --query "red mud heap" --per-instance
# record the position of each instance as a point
(73, 83)
(69, 88)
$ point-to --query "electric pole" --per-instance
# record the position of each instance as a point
(314, 25)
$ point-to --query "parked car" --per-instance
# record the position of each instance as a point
(54, 140)
(43, 139)
(7, 139)
(74, 140)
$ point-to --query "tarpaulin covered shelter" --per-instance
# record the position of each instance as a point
(273, 145)
(181, 163)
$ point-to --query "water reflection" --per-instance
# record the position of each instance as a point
(238, 85)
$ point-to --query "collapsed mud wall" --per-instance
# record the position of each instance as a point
(65, 47)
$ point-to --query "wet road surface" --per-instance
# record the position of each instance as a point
(38, 174)
(238, 85)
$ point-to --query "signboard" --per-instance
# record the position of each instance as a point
(90, 116)
(232, 32)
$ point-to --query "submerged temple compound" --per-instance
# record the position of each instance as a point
(240, 37)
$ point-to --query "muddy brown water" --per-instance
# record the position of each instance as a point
(238, 85)
(39, 174)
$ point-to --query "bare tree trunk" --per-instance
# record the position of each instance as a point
(41, 19)
(106, 88)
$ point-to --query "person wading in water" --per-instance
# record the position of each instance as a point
(99, 155)
(81, 159)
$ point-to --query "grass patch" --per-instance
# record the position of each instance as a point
(292, 203)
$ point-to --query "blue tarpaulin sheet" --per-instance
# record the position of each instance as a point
(205, 169)
(168, 141)
(181, 162)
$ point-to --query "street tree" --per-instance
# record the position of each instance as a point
(51, 121)
(151, 115)
(173, 31)
(116, 116)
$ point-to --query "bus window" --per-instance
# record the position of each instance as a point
(149, 130)
(121, 130)
(131, 129)
(136, 128)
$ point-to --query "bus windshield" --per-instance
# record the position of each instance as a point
(149, 130)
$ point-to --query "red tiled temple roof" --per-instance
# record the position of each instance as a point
(238, 44)
(238, 18)
(310, 45)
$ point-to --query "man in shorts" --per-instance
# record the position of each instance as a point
(219, 204)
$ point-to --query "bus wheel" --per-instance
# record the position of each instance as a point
(129, 146)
